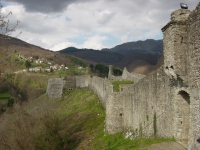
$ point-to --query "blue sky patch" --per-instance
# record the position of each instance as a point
(4, 4)
(68, 19)
(111, 41)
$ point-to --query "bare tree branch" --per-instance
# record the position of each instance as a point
(5, 29)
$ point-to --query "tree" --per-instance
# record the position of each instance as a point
(27, 64)
(91, 67)
(5, 32)
(102, 70)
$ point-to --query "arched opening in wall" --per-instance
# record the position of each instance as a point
(183, 114)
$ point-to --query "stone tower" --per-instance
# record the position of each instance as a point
(175, 44)
(110, 73)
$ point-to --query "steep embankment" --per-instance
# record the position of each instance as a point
(76, 121)
(66, 123)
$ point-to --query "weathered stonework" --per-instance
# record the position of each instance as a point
(166, 103)
(135, 77)
(175, 43)
(69, 83)
(55, 88)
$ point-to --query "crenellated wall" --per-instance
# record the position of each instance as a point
(135, 77)
(165, 103)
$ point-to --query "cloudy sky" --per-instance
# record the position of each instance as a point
(97, 24)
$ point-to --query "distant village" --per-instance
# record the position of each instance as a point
(42, 65)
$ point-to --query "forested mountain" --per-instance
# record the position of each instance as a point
(140, 56)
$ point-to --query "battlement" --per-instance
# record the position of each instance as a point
(135, 77)
(178, 17)
(165, 103)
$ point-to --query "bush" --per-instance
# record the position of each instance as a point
(10, 102)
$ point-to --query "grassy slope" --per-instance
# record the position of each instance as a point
(76, 121)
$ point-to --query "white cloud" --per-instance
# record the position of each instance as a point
(63, 45)
(105, 17)
(95, 42)
(89, 22)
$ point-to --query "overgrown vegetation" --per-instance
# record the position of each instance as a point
(117, 142)
(5, 95)
(76, 121)
(10, 102)
(155, 124)
(77, 61)
(118, 83)
(102, 70)
(117, 71)
(5, 101)
(147, 117)
(27, 64)
(140, 130)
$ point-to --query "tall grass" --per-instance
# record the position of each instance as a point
(118, 142)
(4, 95)
(75, 121)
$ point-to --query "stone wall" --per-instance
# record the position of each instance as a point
(69, 83)
(55, 88)
(150, 107)
(165, 103)
(114, 113)
(114, 78)
(193, 63)
(135, 77)
(83, 81)
(99, 85)
(175, 42)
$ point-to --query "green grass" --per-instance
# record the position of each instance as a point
(81, 101)
(79, 120)
(118, 83)
(117, 142)
(80, 114)
(83, 109)
(4, 95)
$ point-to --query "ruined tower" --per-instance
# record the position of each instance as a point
(175, 43)
(110, 70)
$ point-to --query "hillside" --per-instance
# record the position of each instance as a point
(30, 120)
(76, 121)
(14, 53)
(93, 55)
(139, 57)
(147, 46)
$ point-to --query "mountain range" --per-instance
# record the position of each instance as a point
(141, 56)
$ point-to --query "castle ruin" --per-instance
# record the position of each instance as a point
(165, 103)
